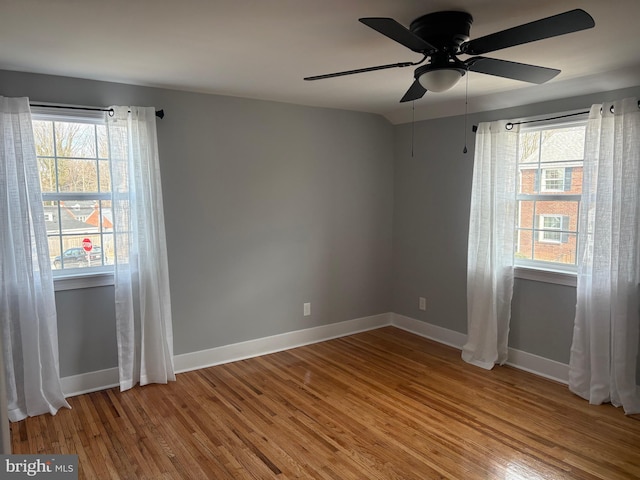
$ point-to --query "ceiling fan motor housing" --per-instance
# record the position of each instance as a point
(444, 30)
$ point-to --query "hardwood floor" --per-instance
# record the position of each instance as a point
(383, 404)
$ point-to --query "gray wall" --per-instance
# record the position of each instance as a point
(267, 206)
(86, 330)
(431, 225)
(270, 205)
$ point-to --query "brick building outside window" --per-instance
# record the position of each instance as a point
(550, 160)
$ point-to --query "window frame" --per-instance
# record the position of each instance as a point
(86, 277)
(539, 270)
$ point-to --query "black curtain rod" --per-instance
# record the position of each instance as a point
(510, 125)
(159, 113)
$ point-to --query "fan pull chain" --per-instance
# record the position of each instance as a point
(466, 111)
(413, 124)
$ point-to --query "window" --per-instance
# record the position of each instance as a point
(550, 160)
(551, 228)
(553, 179)
(73, 163)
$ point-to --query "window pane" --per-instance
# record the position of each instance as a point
(43, 135)
(561, 144)
(554, 222)
(54, 249)
(529, 143)
(107, 248)
(122, 251)
(525, 214)
(51, 215)
(73, 215)
(556, 231)
(566, 179)
(79, 219)
(105, 175)
(550, 237)
(524, 245)
(77, 175)
(528, 179)
(550, 226)
(565, 211)
(76, 140)
(47, 170)
(525, 230)
(547, 231)
(103, 145)
(75, 256)
(100, 215)
(563, 251)
(552, 179)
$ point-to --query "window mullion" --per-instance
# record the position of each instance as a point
(66, 196)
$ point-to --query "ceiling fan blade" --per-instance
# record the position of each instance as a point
(514, 70)
(401, 34)
(563, 23)
(360, 70)
(415, 92)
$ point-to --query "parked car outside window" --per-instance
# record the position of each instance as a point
(77, 257)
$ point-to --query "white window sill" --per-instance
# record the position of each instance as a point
(546, 276)
(83, 280)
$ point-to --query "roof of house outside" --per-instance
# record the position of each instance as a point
(79, 216)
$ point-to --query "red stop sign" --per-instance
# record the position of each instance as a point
(87, 245)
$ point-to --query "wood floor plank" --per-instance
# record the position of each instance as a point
(384, 404)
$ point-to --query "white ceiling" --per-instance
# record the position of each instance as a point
(263, 48)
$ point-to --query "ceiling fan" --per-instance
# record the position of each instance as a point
(442, 36)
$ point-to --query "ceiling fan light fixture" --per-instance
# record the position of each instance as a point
(440, 79)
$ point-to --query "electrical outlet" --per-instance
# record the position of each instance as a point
(307, 309)
(422, 303)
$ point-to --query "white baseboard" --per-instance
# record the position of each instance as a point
(540, 366)
(276, 343)
(89, 382)
(528, 362)
(103, 379)
(430, 331)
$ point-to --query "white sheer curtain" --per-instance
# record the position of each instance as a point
(491, 245)
(602, 366)
(143, 306)
(27, 303)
